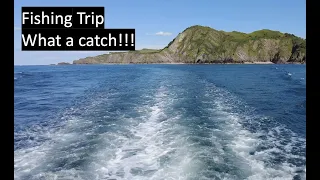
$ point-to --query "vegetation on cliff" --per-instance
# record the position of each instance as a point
(63, 63)
(199, 44)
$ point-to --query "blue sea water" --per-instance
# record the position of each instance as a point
(160, 122)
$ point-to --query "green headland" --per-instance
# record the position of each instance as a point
(200, 44)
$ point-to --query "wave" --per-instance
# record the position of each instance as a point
(262, 148)
(150, 146)
(19, 75)
(166, 132)
(52, 150)
(154, 149)
(291, 75)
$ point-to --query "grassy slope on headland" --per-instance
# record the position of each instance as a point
(200, 44)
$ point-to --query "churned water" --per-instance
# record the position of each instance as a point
(141, 122)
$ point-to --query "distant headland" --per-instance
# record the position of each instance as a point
(63, 63)
(204, 45)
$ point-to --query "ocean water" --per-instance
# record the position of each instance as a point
(160, 122)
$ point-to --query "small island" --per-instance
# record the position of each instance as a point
(63, 63)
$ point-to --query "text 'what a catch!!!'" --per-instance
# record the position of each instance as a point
(96, 41)
(71, 29)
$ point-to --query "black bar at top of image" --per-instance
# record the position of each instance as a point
(31, 12)
(115, 44)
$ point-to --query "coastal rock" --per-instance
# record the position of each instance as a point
(63, 63)
(199, 44)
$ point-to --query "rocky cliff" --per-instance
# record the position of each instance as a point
(199, 44)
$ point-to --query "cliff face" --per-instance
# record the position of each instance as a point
(199, 44)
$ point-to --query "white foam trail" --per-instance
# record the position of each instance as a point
(35, 161)
(243, 142)
(156, 148)
(30, 161)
